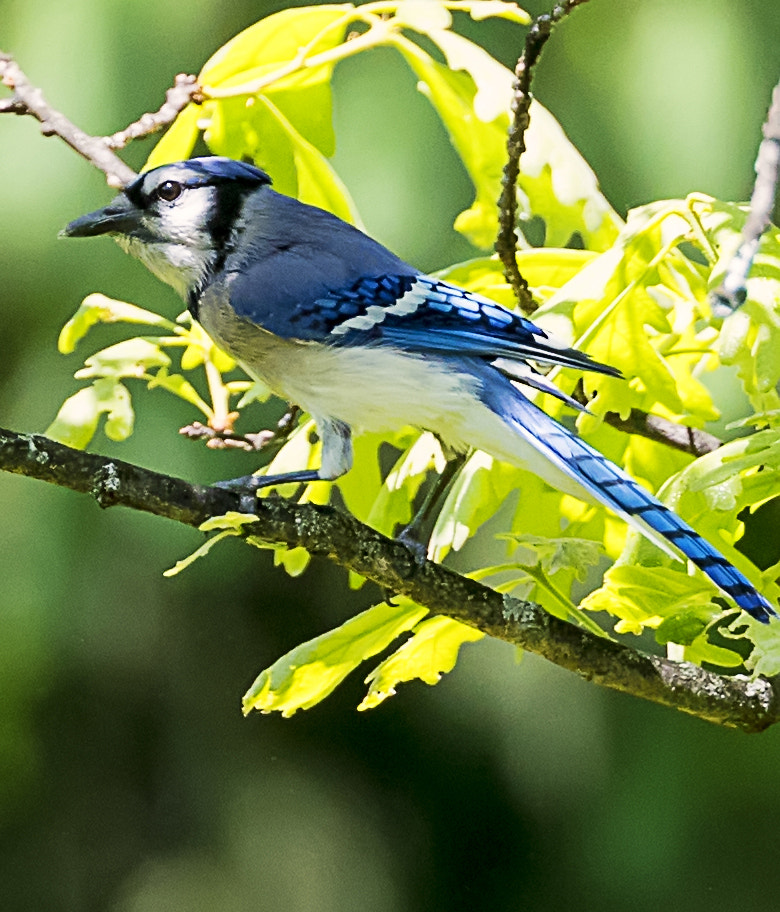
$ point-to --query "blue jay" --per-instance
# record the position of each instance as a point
(333, 321)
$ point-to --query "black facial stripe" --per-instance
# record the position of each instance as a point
(226, 212)
(135, 194)
(229, 204)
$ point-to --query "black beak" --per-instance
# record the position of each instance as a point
(120, 216)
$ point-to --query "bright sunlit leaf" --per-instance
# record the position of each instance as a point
(308, 673)
(97, 308)
(431, 652)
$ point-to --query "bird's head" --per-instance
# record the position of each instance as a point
(178, 219)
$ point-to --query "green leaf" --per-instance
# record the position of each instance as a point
(228, 525)
(555, 182)
(131, 358)
(644, 596)
(255, 392)
(480, 488)
(480, 145)
(431, 652)
(197, 554)
(713, 490)
(300, 98)
(492, 81)
(97, 308)
(485, 9)
(702, 650)
(765, 657)
(278, 39)
(683, 627)
(232, 521)
(361, 485)
(554, 554)
(560, 187)
(688, 629)
(316, 182)
(179, 386)
(639, 307)
(709, 493)
(422, 17)
(308, 673)
(392, 506)
(294, 560)
(77, 419)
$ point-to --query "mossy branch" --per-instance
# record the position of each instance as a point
(751, 705)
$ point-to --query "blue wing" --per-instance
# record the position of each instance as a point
(301, 273)
(421, 314)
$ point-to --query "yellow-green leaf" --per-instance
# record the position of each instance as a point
(180, 387)
(431, 652)
(98, 308)
(77, 419)
(130, 358)
(277, 39)
(308, 673)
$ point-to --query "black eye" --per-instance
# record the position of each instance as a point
(169, 191)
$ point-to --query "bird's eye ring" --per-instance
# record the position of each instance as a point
(169, 191)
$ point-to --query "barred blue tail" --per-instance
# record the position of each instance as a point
(611, 486)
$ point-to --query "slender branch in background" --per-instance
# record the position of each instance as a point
(732, 293)
(185, 89)
(653, 427)
(751, 705)
(506, 242)
(27, 99)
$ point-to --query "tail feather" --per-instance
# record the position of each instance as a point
(611, 486)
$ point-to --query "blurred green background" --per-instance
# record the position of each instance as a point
(129, 781)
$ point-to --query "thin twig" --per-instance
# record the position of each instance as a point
(751, 705)
(27, 99)
(506, 242)
(654, 427)
(228, 439)
(185, 90)
(733, 291)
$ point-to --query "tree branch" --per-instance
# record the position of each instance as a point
(506, 242)
(733, 291)
(736, 702)
(661, 430)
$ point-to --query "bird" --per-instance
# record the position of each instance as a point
(331, 320)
